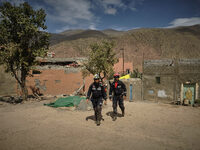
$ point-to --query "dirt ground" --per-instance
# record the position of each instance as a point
(147, 125)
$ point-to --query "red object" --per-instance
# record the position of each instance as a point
(116, 84)
(116, 75)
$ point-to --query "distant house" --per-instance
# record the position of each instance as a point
(118, 67)
(171, 80)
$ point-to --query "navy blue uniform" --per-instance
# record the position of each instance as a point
(118, 89)
(97, 93)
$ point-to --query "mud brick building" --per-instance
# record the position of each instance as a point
(54, 76)
(171, 80)
(58, 76)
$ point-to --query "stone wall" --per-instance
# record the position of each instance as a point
(162, 79)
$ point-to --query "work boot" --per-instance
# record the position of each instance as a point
(123, 113)
(98, 123)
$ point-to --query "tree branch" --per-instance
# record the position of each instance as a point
(15, 75)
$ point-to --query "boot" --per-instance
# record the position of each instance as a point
(123, 112)
(98, 123)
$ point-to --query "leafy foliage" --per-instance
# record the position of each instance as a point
(21, 40)
(101, 59)
(136, 74)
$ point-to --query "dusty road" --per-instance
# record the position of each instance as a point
(151, 126)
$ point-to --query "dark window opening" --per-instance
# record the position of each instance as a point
(127, 71)
(158, 80)
(36, 72)
(64, 63)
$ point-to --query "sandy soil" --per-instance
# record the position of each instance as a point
(147, 125)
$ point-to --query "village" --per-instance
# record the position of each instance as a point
(157, 113)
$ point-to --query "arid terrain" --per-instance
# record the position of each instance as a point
(147, 125)
(138, 44)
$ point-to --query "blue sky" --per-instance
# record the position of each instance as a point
(116, 14)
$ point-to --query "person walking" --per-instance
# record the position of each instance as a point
(118, 90)
(96, 93)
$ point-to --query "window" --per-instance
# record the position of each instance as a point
(158, 80)
(36, 72)
(127, 71)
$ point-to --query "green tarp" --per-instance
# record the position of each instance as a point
(66, 101)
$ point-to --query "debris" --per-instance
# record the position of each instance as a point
(84, 106)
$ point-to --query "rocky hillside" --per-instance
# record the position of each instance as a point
(147, 43)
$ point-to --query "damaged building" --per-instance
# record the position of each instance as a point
(171, 80)
(63, 76)
(58, 76)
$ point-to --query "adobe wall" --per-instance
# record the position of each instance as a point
(58, 81)
(7, 83)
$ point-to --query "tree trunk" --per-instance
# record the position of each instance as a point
(24, 91)
(23, 84)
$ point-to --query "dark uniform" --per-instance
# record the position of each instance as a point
(118, 88)
(97, 93)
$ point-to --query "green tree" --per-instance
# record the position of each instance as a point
(21, 40)
(101, 60)
(136, 74)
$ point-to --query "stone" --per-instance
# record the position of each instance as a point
(84, 106)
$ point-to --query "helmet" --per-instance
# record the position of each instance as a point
(96, 77)
(116, 75)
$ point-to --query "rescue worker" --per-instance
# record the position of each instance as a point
(97, 93)
(118, 89)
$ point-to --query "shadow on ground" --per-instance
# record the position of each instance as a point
(93, 118)
(111, 114)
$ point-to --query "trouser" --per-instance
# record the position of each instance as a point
(97, 106)
(118, 100)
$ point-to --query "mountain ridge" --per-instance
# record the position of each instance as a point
(147, 43)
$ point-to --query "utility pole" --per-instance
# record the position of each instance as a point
(122, 59)
(176, 65)
(142, 90)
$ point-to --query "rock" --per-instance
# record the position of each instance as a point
(84, 106)
(89, 108)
